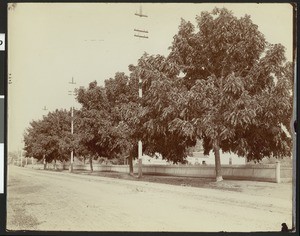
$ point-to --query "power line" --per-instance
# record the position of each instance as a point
(94, 40)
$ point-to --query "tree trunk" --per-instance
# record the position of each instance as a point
(140, 160)
(217, 161)
(91, 163)
(71, 162)
(55, 167)
(130, 165)
(84, 161)
(140, 170)
(44, 160)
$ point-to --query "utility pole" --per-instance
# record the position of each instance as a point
(72, 125)
(21, 154)
(44, 156)
(21, 159)
(140, 144)
(143, 34)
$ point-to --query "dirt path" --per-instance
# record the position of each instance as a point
(39, 200)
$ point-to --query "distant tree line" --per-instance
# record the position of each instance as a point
(221, 83)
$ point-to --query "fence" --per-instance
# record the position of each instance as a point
(260, 172)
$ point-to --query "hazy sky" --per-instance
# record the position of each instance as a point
(49, 43)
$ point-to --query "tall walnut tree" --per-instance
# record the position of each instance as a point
(239, 86)
(50, 137)
(163, 103)
(122, 92)
(103, 134)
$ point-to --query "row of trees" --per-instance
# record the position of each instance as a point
(223, 84)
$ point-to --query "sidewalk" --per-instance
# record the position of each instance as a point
(255, 188)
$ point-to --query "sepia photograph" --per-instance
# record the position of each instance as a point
(151, 117)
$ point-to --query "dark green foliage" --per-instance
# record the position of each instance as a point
(50, 136)
(222, 83)
(165, 126)
(107, 118)
(240, 88)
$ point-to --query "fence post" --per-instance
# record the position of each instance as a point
(277, 173)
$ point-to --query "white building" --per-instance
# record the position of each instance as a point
(147, 160)
(197, 158)
(226, 159)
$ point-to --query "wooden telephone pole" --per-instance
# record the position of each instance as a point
(143, 34)
(72, 125)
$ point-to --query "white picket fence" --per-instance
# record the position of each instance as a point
(259, 172)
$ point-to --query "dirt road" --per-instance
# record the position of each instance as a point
(42, 200)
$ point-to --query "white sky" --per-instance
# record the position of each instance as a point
(49, 43)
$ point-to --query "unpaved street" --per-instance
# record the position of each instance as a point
(44, 200)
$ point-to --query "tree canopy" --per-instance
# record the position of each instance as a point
(239, 85)
(50, 137)
(222, 83)
(104, 117)
(163, 105)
